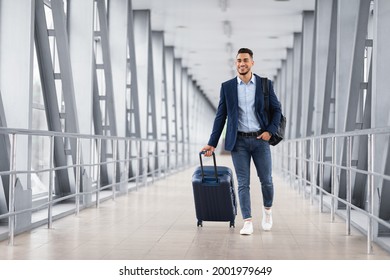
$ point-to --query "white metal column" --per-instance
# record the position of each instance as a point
(380, 105)
(118, 40)
(16, 72)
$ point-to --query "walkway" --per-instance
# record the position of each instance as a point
(158, 222)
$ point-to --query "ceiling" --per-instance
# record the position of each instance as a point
(206, 34)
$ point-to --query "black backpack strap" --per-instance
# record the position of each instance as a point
(264, 83)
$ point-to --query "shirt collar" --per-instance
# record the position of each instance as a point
(252, 80)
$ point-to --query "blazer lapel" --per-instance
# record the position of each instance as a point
(259, 97)
(235, 93)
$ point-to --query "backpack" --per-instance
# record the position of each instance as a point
(279, 135)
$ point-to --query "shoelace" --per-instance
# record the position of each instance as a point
(267, 218)
(247, 225)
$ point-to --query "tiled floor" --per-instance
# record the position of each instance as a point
(158, 222)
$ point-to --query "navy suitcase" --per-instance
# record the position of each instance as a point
(214, 194)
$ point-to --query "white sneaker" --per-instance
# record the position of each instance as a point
(267, 219)
(247, 229)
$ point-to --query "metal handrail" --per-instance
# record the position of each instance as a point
(93, 163)
(302, 161)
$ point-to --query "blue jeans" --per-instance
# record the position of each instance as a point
(259, 150)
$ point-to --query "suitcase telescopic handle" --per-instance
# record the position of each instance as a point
(201, 165)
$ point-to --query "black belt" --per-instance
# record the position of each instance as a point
(249, 134)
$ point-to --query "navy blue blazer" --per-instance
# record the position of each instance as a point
(228, 109)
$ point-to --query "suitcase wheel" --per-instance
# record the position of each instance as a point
(200, 224)
(232, 224)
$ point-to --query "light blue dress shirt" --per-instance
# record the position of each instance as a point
(247, 121)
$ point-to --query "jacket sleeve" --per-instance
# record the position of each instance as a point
(275, 110)
(219, 121)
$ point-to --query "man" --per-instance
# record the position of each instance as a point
(247, 134)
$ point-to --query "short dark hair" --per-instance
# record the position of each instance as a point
(245, 50)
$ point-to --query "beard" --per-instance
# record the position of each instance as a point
(243, 72)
